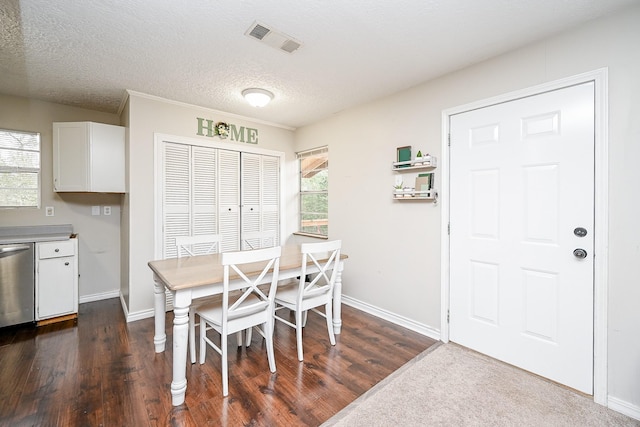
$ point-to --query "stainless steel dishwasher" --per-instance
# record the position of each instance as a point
(16, 284)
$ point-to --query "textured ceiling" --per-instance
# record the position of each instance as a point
(86, 53)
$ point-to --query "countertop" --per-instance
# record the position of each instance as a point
(35, 233)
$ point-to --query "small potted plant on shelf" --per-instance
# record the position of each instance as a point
(398, 189)
(418, 160)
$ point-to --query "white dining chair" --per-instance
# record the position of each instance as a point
(255, 240)
(202, 244)
(302, 296)
(250, 308)
(258, 239)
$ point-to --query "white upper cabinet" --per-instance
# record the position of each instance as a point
(88, 157)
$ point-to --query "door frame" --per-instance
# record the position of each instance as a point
(601, 211)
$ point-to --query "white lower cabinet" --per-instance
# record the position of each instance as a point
(56, 279)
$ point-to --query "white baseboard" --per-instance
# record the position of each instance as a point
(623, 407)
(124, 306)
(99, 297)
(138, 315)
(363, 306)
(392, 317)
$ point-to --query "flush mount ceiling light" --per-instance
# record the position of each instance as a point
(257, 97)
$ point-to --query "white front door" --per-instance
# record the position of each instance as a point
(521, 205)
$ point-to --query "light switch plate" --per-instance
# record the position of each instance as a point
(95, 210)
(49, 211)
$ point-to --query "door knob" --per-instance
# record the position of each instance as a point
(580, 253)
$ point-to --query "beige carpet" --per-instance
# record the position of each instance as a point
(453, 386)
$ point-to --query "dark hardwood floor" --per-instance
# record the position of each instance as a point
(101, 371)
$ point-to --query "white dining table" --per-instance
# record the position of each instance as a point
(190, 278)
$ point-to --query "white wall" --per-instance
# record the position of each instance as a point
(149, 115)
(98, 236)
(394, 247)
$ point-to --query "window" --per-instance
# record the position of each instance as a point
(19, 169)
(314, 185)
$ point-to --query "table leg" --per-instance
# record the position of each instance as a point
(180, 333)
(337, 301)
(160, 337)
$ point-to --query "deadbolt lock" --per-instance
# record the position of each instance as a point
(580, 231)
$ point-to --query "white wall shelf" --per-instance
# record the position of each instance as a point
(425, 163)
(410, 193)
(416, 195)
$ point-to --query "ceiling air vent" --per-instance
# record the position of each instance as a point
(273, 38)
(258, 31)
(290, 46)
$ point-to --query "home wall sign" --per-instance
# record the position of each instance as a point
(223, 130)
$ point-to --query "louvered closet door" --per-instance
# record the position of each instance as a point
(270, 202)
(250, 194)
(260, 195)
(189, 196)
(176, 196)
(229, 200)
(176, 200)
(204, 188)
(204, 207)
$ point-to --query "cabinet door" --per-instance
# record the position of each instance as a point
(56, 282)
(70, 156)
(106, 158)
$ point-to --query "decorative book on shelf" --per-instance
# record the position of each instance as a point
(424, 181)
(404, 155)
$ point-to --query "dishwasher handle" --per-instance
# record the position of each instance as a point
(9, 249)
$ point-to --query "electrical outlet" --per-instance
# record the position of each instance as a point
(106, 210)
(95, 210)
(49, 211)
